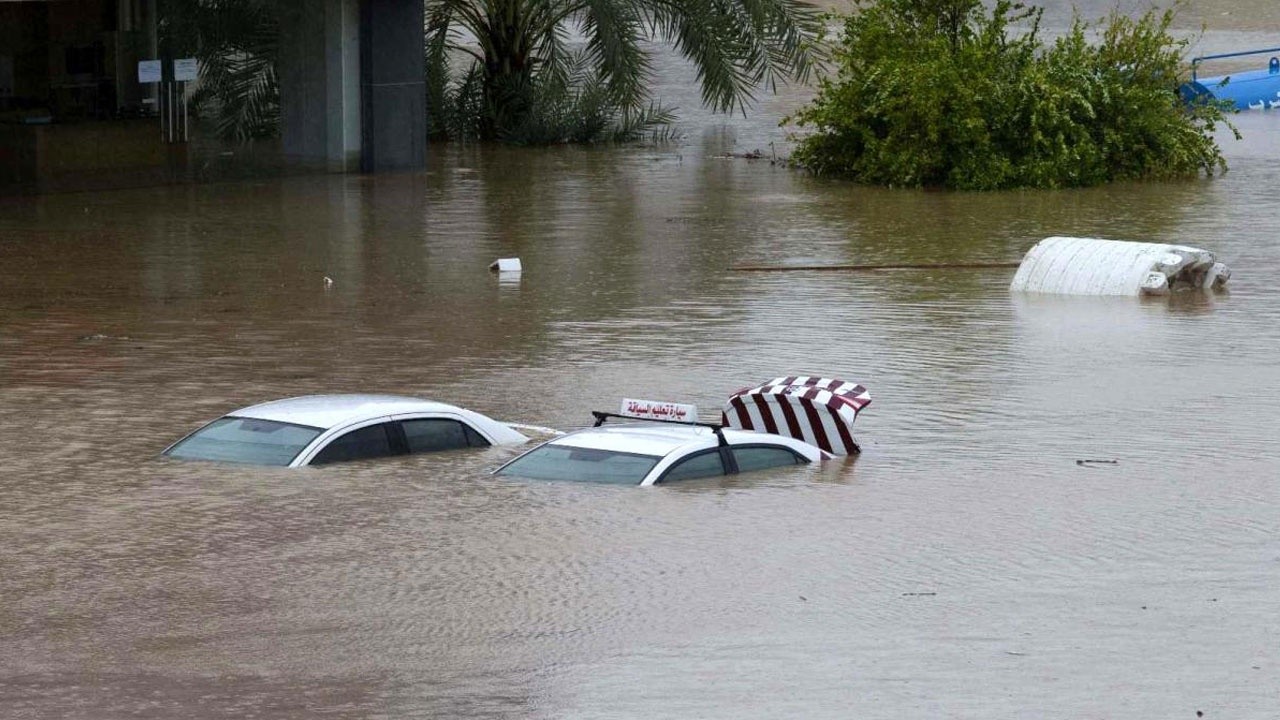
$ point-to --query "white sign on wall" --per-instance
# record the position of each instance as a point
(185, 69)
(149, 71)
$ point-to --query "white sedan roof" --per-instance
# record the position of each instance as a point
(327, 411)
(662, 440)
(641, 439)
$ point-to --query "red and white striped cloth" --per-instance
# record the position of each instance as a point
(819, 411)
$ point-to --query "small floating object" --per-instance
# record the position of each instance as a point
(1092, 266)
(819, 411)
(508, 269)
(506, 265)
(328, 282)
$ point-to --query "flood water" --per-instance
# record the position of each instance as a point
(964, 566)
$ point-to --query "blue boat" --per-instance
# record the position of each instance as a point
(1247, 90)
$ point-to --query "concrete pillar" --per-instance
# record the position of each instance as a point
(394, 93)
(319, 74)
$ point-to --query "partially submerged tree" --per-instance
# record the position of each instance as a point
(950, 93)
(544, 71)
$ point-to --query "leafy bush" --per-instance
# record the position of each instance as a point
(946, 93)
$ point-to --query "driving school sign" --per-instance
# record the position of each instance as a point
(653, 410)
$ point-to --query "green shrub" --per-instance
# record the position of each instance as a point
(947, 93)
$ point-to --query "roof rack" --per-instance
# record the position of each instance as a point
(601, 416)
(1195, 62)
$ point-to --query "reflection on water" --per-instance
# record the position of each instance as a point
(965, 565)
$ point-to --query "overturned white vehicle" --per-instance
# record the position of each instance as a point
(1091, 266)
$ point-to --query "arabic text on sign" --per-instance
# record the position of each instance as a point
(647, 409)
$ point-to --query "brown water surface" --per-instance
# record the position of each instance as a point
(964, 566)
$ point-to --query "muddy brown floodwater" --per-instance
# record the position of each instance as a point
(965, 566)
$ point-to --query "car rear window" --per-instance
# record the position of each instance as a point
(364, 443)
(432, 434)
(245, 440)
(703, 465)
(565, 462)
(763, 457)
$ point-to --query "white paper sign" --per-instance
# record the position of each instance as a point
(149, 71)
(185, 69)
(650, 410)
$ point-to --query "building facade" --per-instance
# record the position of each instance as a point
(91, 97)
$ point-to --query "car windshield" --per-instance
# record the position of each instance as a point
(245, 440)
(565, 462)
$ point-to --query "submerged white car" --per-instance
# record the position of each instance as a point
(650, 454)
(321, 429)
(787, 421)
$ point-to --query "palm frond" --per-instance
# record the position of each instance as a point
(737, 45)
(615, 31)
(237, 45)
(536, 87)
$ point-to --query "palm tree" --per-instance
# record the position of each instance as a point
(529, 80)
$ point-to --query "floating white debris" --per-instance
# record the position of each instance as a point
(506, 265)
(1090, 266)
(508, 269)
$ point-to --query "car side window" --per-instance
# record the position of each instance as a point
(762, 458)
(362, 444)
(432, 434)
(707, 464)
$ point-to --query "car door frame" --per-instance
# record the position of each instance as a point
(727, 459)
(399, 418)
(800, 459)
(396, 437)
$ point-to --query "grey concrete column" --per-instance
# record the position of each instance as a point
(394, 93)
(319, 74)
